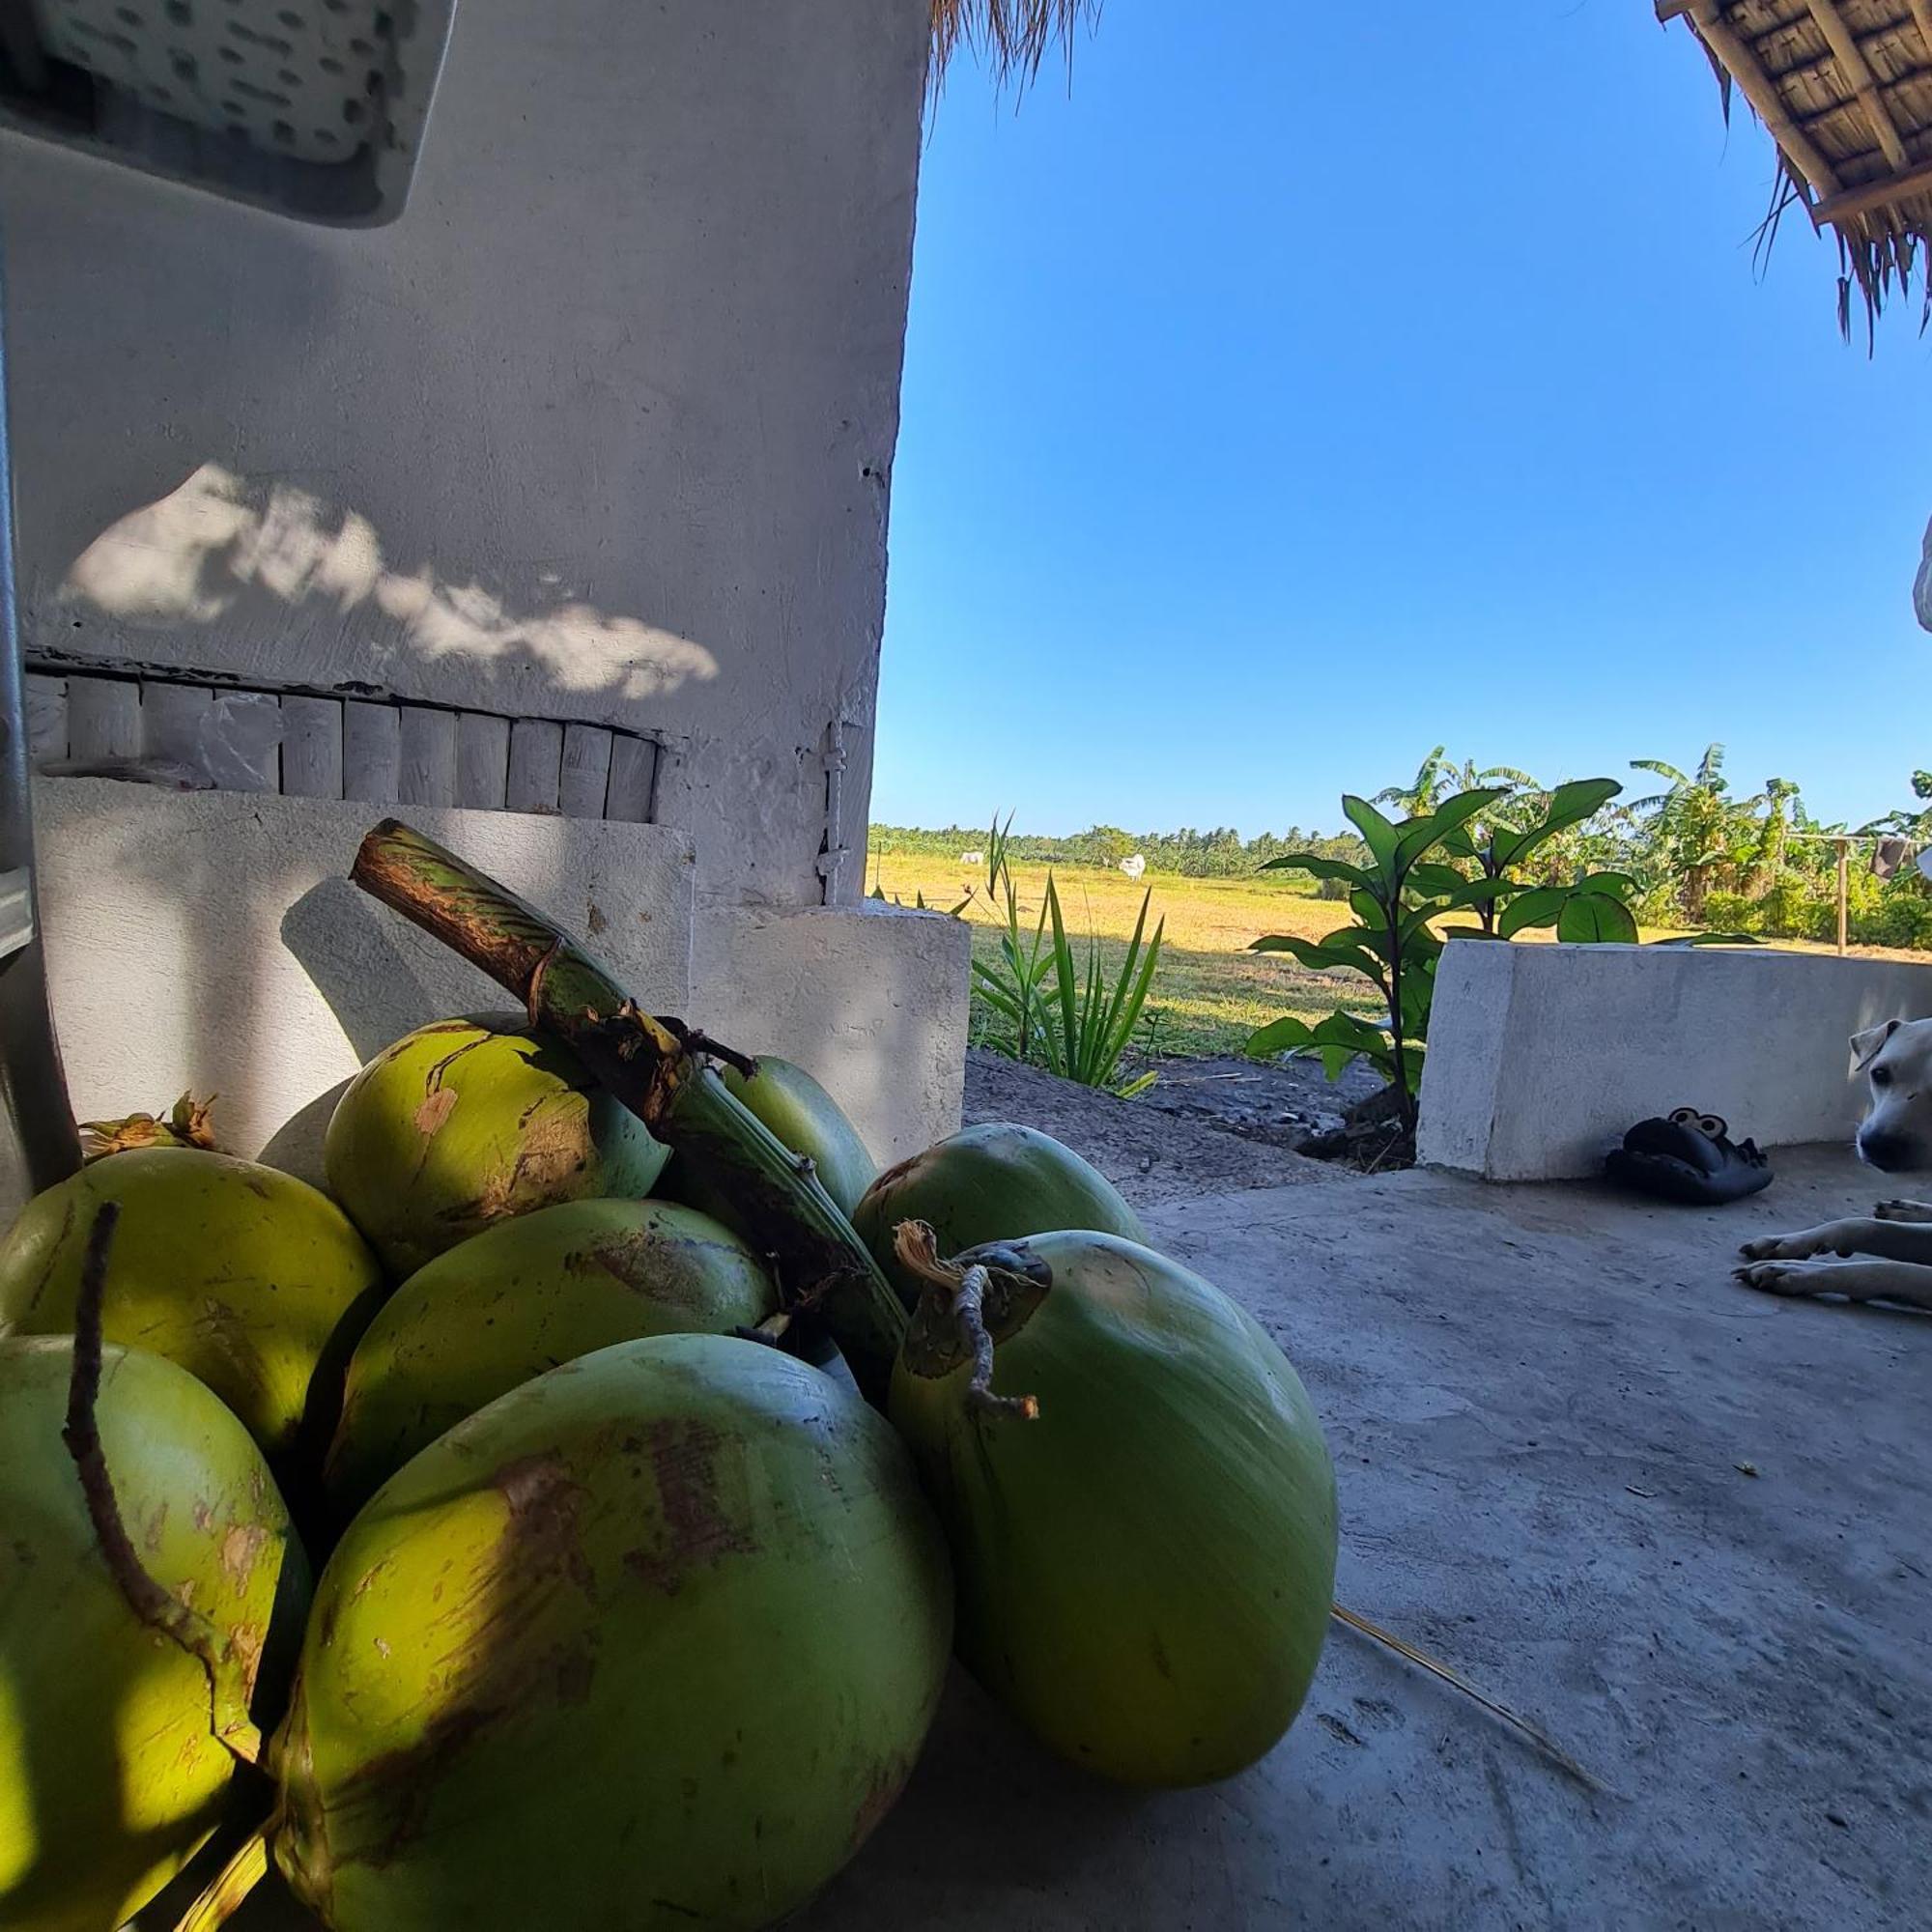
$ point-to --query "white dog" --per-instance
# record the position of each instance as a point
(1895, 1137)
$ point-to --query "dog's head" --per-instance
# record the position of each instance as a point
(1896, 1061)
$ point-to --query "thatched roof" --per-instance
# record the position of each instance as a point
(1011, 36)
(1845, 89)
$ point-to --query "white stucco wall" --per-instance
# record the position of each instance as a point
(601, 429)
(1540, 1056)
(210, 941)
(871, 1001)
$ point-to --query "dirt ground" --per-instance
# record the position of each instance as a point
(1206, 1126)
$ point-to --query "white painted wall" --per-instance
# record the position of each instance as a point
(871, 1001)
(1540, 1056)
(212, 941)
(601, 429)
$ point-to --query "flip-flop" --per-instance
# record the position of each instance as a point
(1690, 1157)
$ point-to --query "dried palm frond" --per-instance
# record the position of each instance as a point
(1011, 35)
(1842, 132)
(1421, 1658)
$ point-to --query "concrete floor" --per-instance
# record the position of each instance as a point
(1547, 1405)
(1539, 1401)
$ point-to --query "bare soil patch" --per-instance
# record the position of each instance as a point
(1206, 1126)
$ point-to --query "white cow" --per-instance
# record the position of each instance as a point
(1133, 868)
(972, 858)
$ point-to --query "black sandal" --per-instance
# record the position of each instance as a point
(1689, 1157)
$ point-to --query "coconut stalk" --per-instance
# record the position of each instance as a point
(163, 1612)
(658, 1068)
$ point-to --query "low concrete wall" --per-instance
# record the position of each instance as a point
(212, 941)
(871, 1000)
(1540, 1056)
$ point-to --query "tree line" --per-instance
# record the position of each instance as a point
(1704, 852)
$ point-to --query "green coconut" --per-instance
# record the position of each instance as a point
(650, 1641)
(808, 1121)
(110, 1773)
(989, 1183)
(520, 1298)
(465, 1122)
(1145, 1566)
(246, 1277)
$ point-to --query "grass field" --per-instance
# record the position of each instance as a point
(1210, 992)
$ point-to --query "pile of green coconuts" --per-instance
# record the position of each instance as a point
(567, 1519)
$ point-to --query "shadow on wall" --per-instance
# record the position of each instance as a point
(223, 548)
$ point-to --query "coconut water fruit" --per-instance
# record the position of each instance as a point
(520, 1298)
(251, 1280)
(808, 1121)
(468, 1121)
(993, 1183)
(652, 1640)
(110, 1773)
(1145, 1568)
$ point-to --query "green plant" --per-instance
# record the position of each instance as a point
(1909, 824)
(1391, 942)
(1075, 1017)
(1411, 881)
(1596, 906)
(1438, 776)
(918, 901)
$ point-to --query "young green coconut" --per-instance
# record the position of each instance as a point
(661, 1070)
(808, 1121)
(1144, 1537)
(251, 1280)
(993, 1183)
(467, 1121)
(111, 1770)
(517, 1299)
(804, 1117)
(650, 1641)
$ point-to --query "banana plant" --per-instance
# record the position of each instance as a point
(1594, 908)
(1391, 942)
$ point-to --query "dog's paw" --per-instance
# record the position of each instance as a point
(1903, 1210)
(1774, 1277)
(1782, 1248)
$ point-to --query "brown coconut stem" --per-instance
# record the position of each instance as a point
(157, 1608)
(229, 1889)
(968, 1311)
(655, 1068)
(918, 1248)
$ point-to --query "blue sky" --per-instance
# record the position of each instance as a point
(1300, 392)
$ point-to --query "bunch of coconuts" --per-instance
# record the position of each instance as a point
(566, 1520)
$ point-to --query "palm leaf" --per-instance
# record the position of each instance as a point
(1011, 35)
